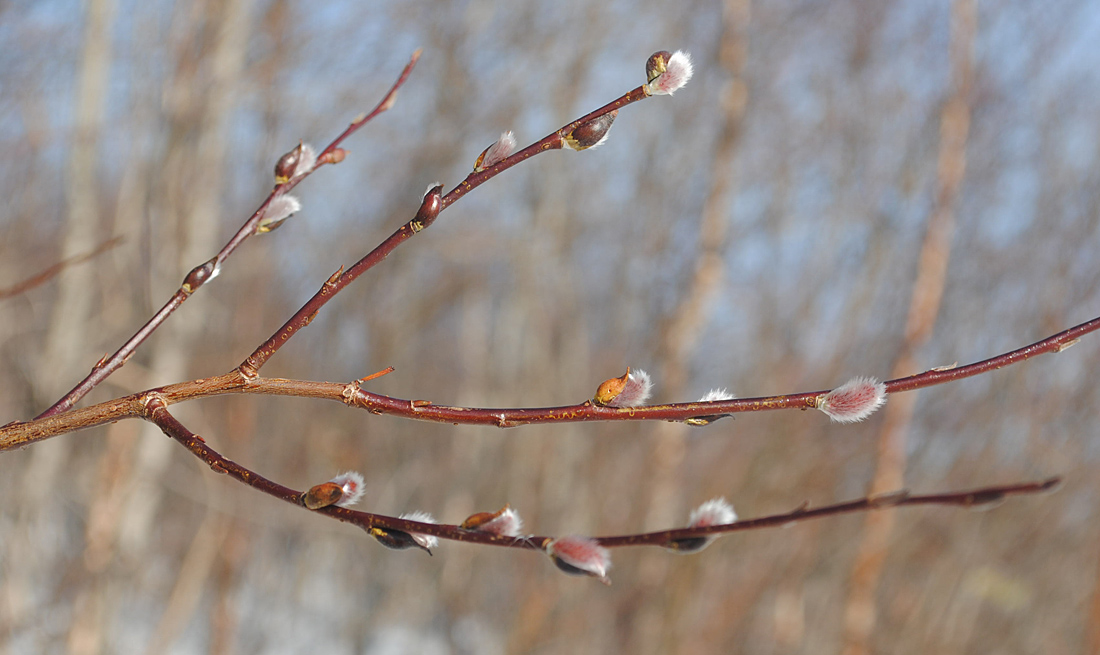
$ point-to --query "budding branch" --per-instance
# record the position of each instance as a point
(153, 405)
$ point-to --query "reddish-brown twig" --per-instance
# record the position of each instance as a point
(341, 278)
(208, 270)
(19, 434)
(156, 411)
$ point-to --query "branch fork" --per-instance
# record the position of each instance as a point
(621, 398)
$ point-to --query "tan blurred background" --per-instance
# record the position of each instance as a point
(845, 187)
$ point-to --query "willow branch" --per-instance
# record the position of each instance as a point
(980, 498)
(208, 270)
(19, 434)
(155, 410)
(430, 208)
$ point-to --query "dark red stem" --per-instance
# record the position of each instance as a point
(204, 272)
(251, 366)
(156, 411)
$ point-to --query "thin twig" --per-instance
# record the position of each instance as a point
(341, 278)
(980, 498)
(206, 271)
(48, 274)
(156, 411)
(18, 434)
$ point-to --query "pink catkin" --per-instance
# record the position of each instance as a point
(508, 524)
(351, 484)
(636, 391)
(715, 511)
(854, 400)
(678, 71)
(581, 556)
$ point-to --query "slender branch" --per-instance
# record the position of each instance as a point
(156, 411)
(49, 273)
(18, 434)
(341, 278)
(980, 498)
(550, 142)
(1052, 344)
(208, 270)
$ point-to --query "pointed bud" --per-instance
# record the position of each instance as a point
(854, 400)
(344, 490)
(334, 156)
(713, 395)
(430, 206)
(577, 555)
(715, 511)
(298, 161)
(610, 389)
(630, 390)
(656, 64)
(322, 495)
(278, 210)
(396, 539)
(497, 152)
(284, 168)
(666, 74)
(590, 134)
(504, 523)
(201, 274)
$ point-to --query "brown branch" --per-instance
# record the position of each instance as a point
(18, 434)
(52, 271)
(156, 410)
(980, 498)
(208, 270)
(430, 208)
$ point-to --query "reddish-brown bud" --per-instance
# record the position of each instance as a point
(322, 495)
(344, 490)
(334, 156)
(400, 540)
(610, 389)
(200, 275)
(297, 162)
(656, 64)
(474, 521)
(430, 207)
(590, 134)
(284, 168)
(396, 539)
(630, 390)
(505, 522)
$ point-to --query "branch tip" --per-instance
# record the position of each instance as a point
(667, 73)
